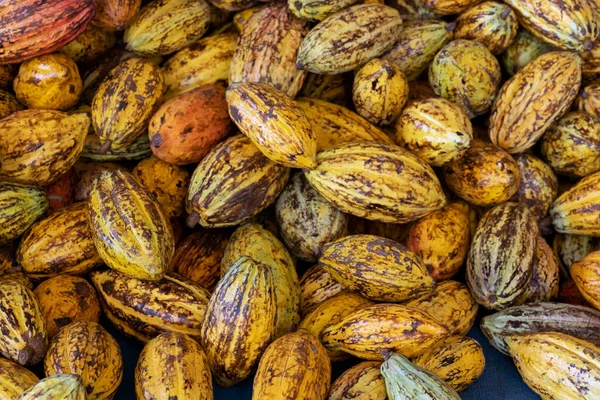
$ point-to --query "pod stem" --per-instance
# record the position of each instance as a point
(588, 44)
(192, 219)
(105, 146)
(451, 26)
(386, 354)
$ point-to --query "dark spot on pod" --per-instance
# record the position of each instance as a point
(505, 13)
(585, 95)
(298, 5)
(156, 140)
(450, 26)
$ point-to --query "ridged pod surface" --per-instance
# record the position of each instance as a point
(576, 211)
(363, 381)
(545, 273)
(334, 124)
(585, 273)
(500, 262)
(85, 348)
(233, 183)
(589, 99)
(467, 73)
(331, 88)
(38, 146)
(417, 45)
(318, 10)
(532, 100)
(377, 268)
(125, 102)
(241, 17)
(524, 48)
(449, 7)
(393, 327)
(366, 32)
(316, 286)
(240, 321)
(130, 230)
(572, 248)
(31, 28)
(577, 321)
(451, 304)
(274, 123)
(137, 150)
(173, 365)
(20, 206)
(377, 181)
(233, 5)
(8, 104)
(15, 379)
(90, 45)
(566, 24)
(144, 309)
(491, 23)
(62, 386)
(24, 338)
(590, 66)
(539, 185)
(114, 15)
(295, 366)
(547, 361)
(435, 129)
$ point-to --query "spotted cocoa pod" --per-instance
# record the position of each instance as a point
(362, 381)
(90, 45)
(15, 379)
(316, 286)
(449, 7)
(524, 48)
(539, 185)
(330, 88)
(114, 15)
(545, 273)
(8, 104)
(572, 248)
(62, 386)
(20, 206)
(138, 150)
(589, 99)
(576, 211)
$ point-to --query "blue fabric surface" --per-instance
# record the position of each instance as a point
(500, 380)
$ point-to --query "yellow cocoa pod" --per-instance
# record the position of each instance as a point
(315, 11)
(172, 304)
(167, 183)
(420, 90)
(295, 366)
(201, 63)
(470, 211)
(435, 129)
(62, 386)
(15, 379)
(164, 27)
(589, 99)
(239, 322)
(408, 331)
(331, 312)
(466, 61)
(334, 124)
(546, 362)
(484, 176)
(374, 27)
(330, 88)
(20, 206)
(7, 75)
(139, 149)
(411, 10)
(363, 179)
(25, 339)
(233, 183)
(316, 286)
(539, 185)
(8, 104)
(576, 211)
(396, 232)
(451, 304)
(65, 299)
(59, 244)
(125, 102)
(130, 230)
(572, 248)
(173, 365)
(363, 381)
(545, 274)
(90, 45)
(590, 66)
(253, 241)
(449, 7)
(585, 273)
(38, 146)
(490, 23)
(524, 48)
(241, 17)
(380, 91)
(501, 257)
(50, 81)
(86, 349)
(17, 278)
(441, 240)
(530, 102)
(566, 24)
(458, 360)
(417, 45)
(233, 5)
(377, 268)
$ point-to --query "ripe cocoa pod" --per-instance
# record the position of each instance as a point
(524, 48)
(545, 274)
(347, 187)
(232, 183)
(114, 15)
(26, 339)
(17, 278)
(121, 112)
(38, 146)
(90, 45)
(7, 75)
(87, 173)
(589, 99)
(15, 379)
(163, 27)
(449, 7)
(466, 61)
(315, 11)
(20, 206)
(241, 17)
(138, 150)
(576, 211)
(30, 28)
(173, 365)
(8, 104)
(316, 286)
(172, 296)
(62, 386)
(412, 9)
(538, 187)
(375, 28)
(530, 102)
(295, 366)
(362, 381)
(233, 5)
(501, 257)
(584, 272)
(590, 66)
(572, 248)
(239, 322)
(330, 88)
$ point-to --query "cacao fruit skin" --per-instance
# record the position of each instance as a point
(574, 212)
(590, 66)
(572, 248)
(241, 17)
(85, 348)
(330, 88)
(589, 99)
(173, 365)
(90, 45)
(365, 179)
(62, 386)
(316, 286)
(585, 274)
(524, 48)
(544, 279)
(239, 322)
(138, 150)
(539, 185)
(362, 381)
(20, 206)
(411, 10)
(7, 75)
(545, 362)
(315, 11)
(30, 28)
(501, 257)
(233, 5)
(15, 379)
(375, 27)
(8, 104)
(26, 339)
(449, 7)
(144, 309)
(295, 366)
